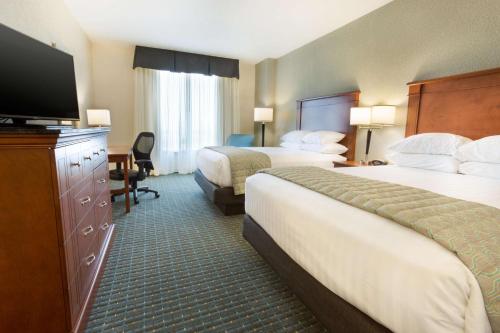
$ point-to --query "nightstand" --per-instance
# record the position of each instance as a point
(348, 164)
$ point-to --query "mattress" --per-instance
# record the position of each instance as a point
(402, 279)
(216, 167)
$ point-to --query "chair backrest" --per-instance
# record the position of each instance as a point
(142, 148)
(240, 140)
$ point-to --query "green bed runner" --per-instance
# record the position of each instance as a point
(244, 163)
(470, 230)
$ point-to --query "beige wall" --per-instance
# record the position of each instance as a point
(382, 51)
(113, 85)
(50, 21)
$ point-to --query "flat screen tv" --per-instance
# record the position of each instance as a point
(37, 81)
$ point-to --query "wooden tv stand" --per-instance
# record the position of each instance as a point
(55, 226)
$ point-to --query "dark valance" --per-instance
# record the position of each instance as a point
(175, 61)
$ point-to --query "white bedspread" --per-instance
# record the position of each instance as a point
(402, 279)
(216, 168)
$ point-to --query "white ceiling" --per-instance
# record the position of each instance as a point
(250, 30)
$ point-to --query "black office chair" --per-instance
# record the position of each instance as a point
(142, 148)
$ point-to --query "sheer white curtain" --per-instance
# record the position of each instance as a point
(186, 112)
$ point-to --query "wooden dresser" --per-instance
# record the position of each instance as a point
(55, 226)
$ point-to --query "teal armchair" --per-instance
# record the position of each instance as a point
(240, 140)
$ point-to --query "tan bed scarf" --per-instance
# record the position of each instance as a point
(469, 230)
(244, 163)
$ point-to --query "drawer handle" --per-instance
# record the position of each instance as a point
(87, 230)
(87, 158)
(102, 150)
(77, 164)
(103, 204)
(90, 259)
(96, 153)
(86, 200)
(105, 226)
(101, 181)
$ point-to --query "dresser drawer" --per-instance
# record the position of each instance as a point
(88, 265)
(83, 200)
(74, 165)
(88, 160)
(104, 226)
(62, 170)
(102, 206)
(99, 150)
(85, 233)
(75, 304)
(101, 179)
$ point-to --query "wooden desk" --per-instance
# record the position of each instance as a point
(122, 154)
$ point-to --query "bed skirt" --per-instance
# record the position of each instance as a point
(332, 311)
(222, 197)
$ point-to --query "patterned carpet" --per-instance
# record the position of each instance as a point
(179, 265)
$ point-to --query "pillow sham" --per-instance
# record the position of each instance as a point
(488, 170)
(329, 148)
(430, 143)
(323, 137)
(483, 150)
(294, 136)
(443, 163)
(290, 145)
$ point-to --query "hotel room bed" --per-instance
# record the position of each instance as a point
(216, 168)
(329, 113)
(360, 272)
(403, 280)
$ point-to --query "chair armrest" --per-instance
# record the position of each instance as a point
(142, 162)
(144, 166)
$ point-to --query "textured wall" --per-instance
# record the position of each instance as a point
(382, 51)
(264, 96)
(50, 21)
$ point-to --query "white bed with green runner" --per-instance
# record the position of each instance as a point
(400, 278)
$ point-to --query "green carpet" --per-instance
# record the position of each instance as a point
(178, 265)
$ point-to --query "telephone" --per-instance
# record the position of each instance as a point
(377, 162)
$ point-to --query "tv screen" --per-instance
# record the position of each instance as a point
(37, 81)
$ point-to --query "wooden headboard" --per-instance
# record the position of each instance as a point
(467, 104)
(330, 113)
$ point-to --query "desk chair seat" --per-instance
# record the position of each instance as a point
(142, 148)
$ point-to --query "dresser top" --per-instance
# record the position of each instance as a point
(54, 130)
(51, 136)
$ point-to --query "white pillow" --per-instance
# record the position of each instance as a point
(323, 137)
(329, 148)
(294, 136)
(430, 143)
(488, 170)
(291, 145)
(443, 163)
(483, 150)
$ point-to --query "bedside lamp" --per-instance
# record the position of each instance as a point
(263, 115)
(371, 118)
(98, 117)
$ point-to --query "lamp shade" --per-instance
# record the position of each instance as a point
(383, 115)
(98, 117)
(263, 115)
(360, 116)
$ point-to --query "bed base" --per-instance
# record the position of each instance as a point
(222, 197)
(332, 311)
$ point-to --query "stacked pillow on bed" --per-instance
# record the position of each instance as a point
(480, 157)
(325, 142)
(449, 153)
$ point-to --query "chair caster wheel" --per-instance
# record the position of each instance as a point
(157, 195)
(136, 202)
